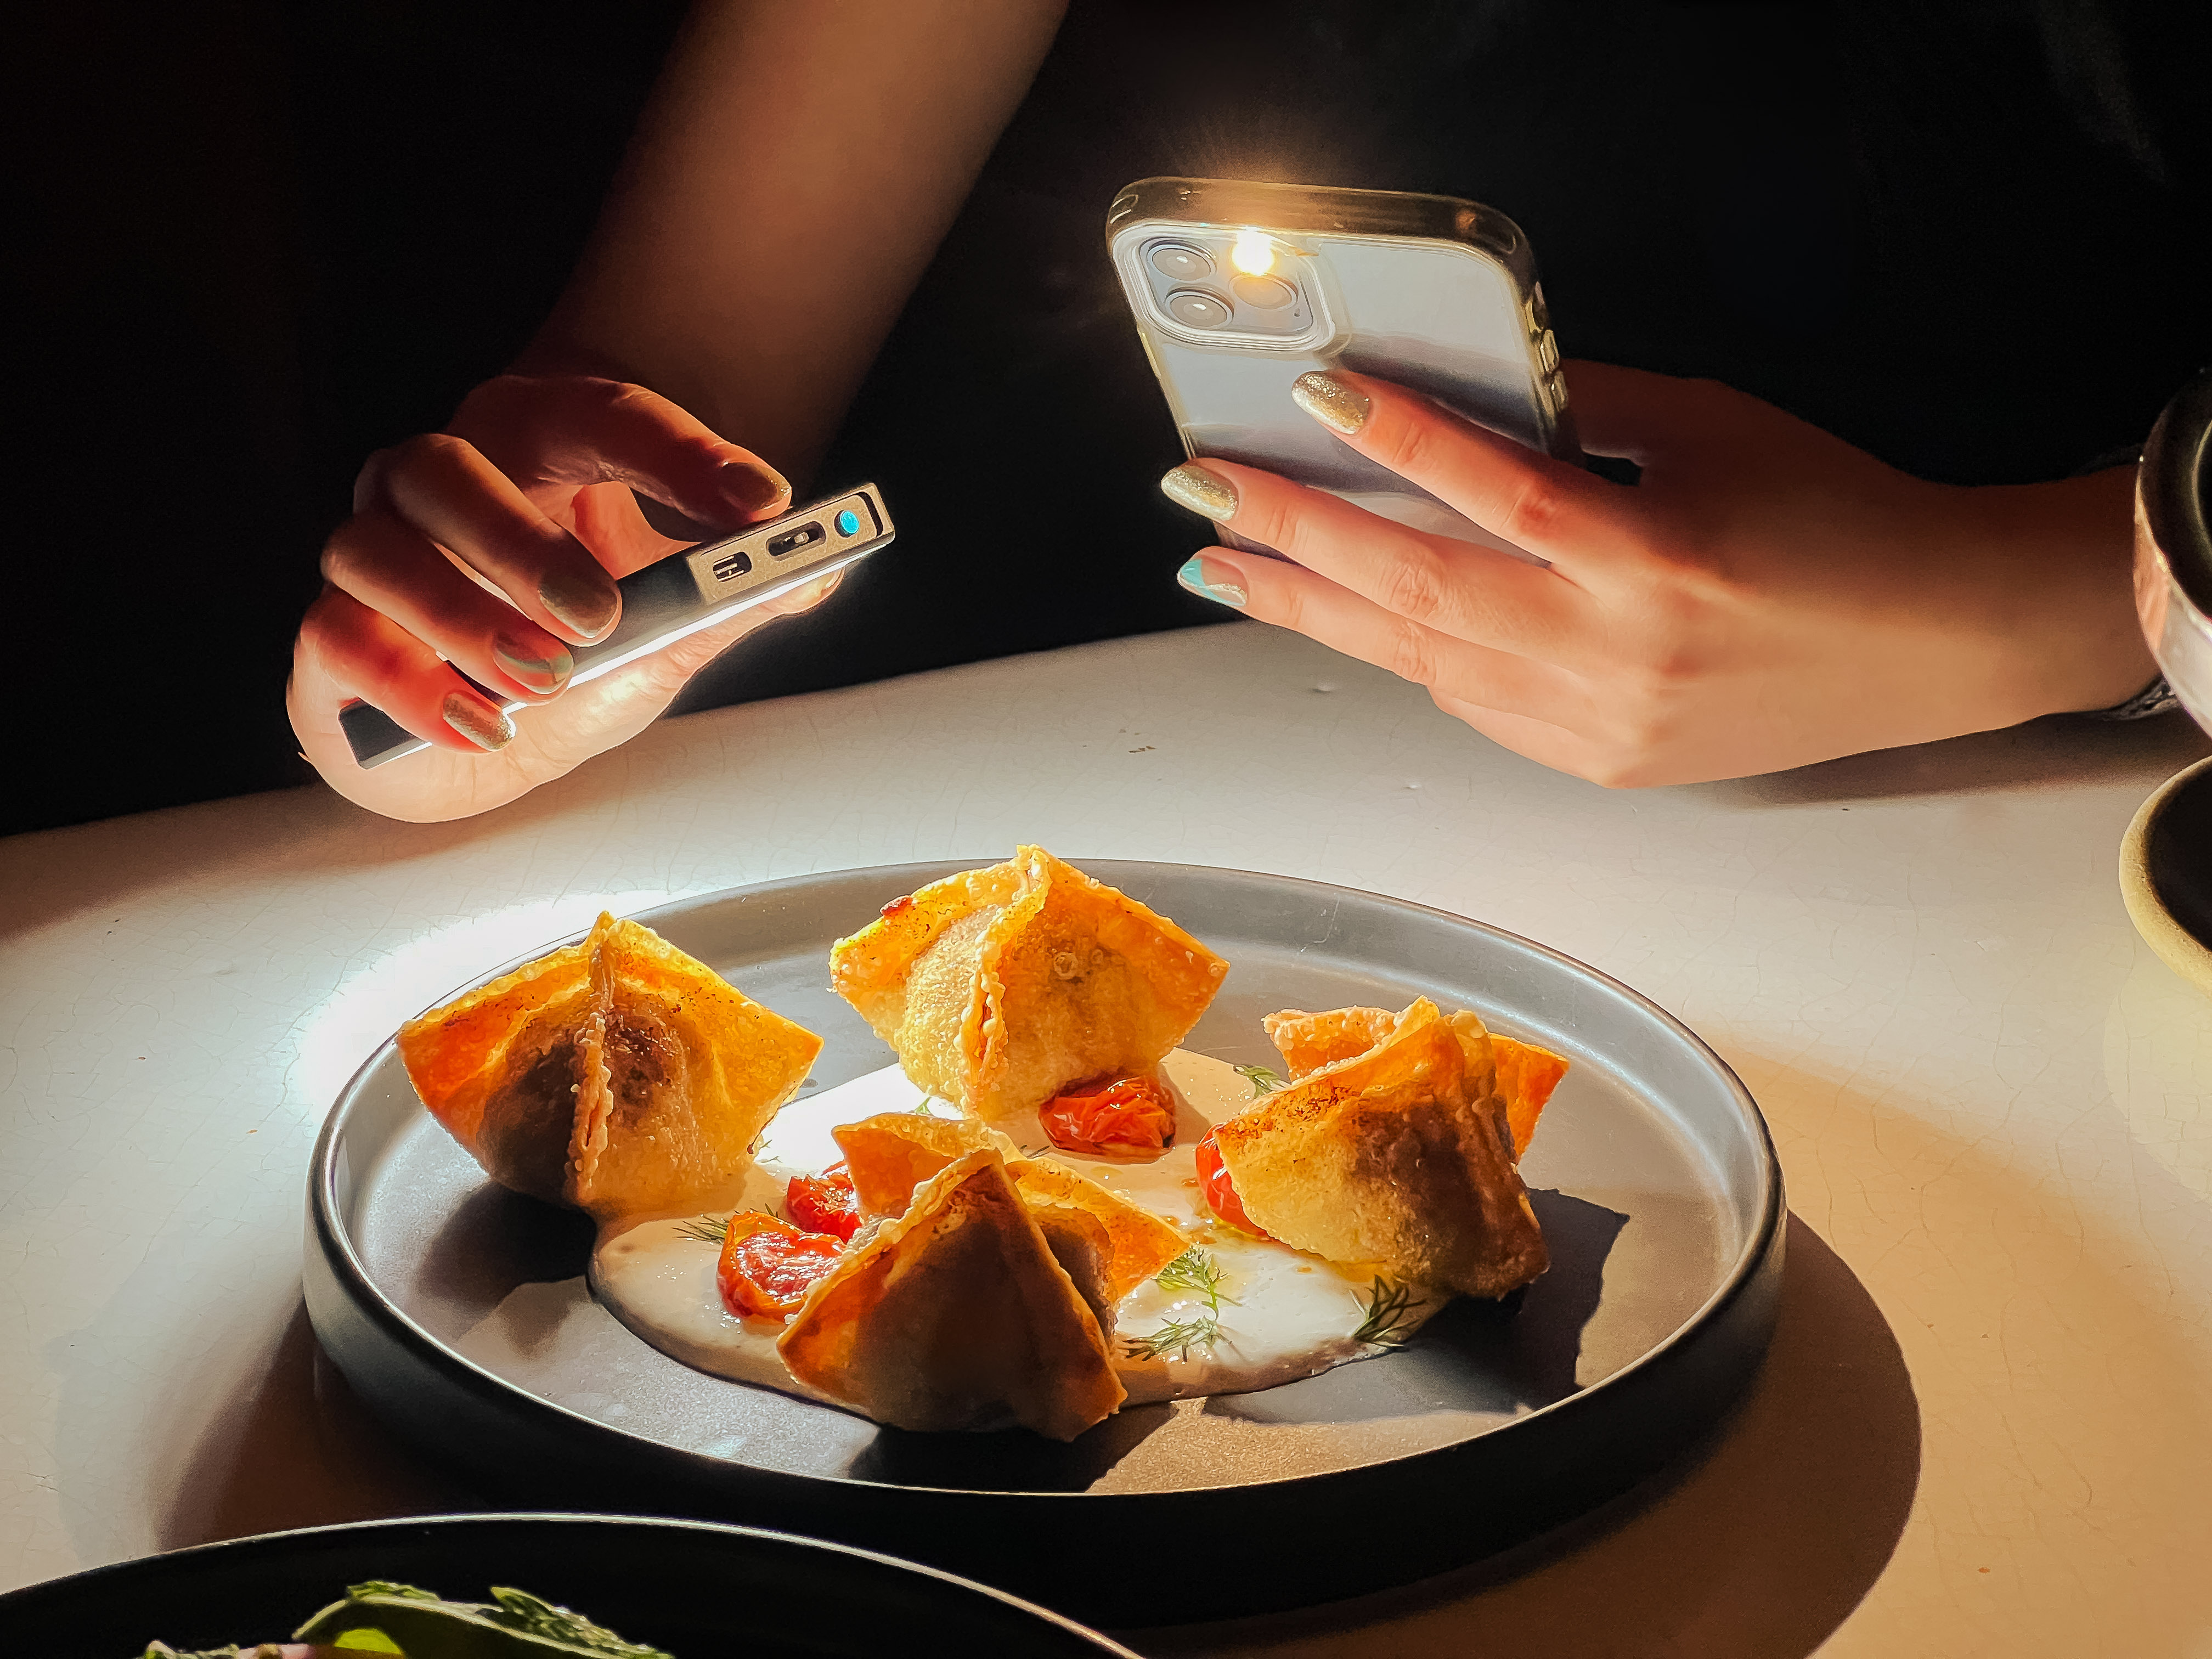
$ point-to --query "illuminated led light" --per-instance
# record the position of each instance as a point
(1254, 254)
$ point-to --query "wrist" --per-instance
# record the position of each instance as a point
(2064, 551)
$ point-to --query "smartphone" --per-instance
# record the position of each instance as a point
(690, 589)
(1240, 288)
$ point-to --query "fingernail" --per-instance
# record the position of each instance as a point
(1214, 581)
(1201, 491)
(478, 722)
(539, 674)
(751, 485)
(588, 603)
(1337, 406)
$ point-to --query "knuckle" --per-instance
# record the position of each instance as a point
(1412, 448)
(436, 451)
(624, 397)
(1415, 584)
(1410, 652)
(1611, 772)
(1263, 516)
(343, 561)
(1533, 515)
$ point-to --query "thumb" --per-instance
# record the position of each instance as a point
(1639, 416)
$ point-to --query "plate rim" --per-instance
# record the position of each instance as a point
(337, 1245)
(91, 1577)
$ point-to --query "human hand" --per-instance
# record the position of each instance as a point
(531, 490)
(1765, 596)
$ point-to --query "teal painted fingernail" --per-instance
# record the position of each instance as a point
(1201, 491)
(1336, 405)
(543, 674)
(1214, 581)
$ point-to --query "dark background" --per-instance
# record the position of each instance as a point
(251, 242)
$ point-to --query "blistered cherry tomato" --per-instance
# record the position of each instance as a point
(1121, 1115)
(767, 1266)
(1220, 1192)
(824, 1203)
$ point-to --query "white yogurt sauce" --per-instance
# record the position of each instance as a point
(1284, 1314)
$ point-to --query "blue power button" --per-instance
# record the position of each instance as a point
(848, 523)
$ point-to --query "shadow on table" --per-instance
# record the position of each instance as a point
(1757, 1550)
(2062, 749)
(300, 1451)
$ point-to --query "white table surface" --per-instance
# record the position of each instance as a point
(1985, 1427)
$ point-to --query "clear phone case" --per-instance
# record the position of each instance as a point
(1239, 287)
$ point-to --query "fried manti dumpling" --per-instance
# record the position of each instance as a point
(958, 1316)
(891, 1154)
(1000, 987)
(618, 1075)
(1525, 1074)
(1400, 1156)
(888, 1154)
(1084, 1253)
(1141, 1242)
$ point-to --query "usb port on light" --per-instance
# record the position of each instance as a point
(731, 566)
(791, 540)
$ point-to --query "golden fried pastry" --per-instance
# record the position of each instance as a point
(958, 1316)
(1141, 1242)
(1526, 1075)
(999, 988)
(891, 1154)
(618, 1075)
(888, 1154)
(1399, 1155)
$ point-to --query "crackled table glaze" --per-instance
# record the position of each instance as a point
(1986, 1426)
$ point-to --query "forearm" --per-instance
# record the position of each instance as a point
(794, 171)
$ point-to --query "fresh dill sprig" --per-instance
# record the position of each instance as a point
(1196, 1271)
(707, 1229)
(1386, 1314)
(1177, 1338)
(1263, 1081)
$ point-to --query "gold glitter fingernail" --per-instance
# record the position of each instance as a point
(588, 603)
(1330, 401)
(1201, 491)
(479, 722)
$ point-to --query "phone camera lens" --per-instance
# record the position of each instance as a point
(1179, 264)
(1264, 292)
(1197, 310)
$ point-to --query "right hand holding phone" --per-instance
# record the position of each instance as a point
(530, 490)
(1765, 596)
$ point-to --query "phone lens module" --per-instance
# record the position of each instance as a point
(1179, 264)
(1264, 292)
(1197, 310)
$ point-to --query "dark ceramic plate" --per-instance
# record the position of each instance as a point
(696, 1590)
(456, 1309)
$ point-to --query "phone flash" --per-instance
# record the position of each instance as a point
(1254, 254)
